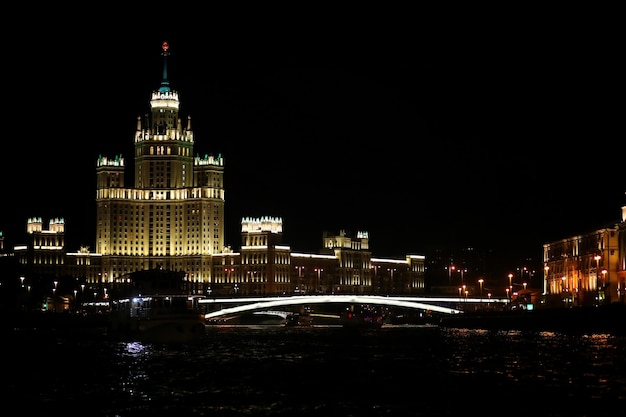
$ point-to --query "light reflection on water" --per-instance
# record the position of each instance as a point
(276, 371)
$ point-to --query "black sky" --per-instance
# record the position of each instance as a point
(421, 138)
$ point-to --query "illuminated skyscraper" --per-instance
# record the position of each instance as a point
(173, 217)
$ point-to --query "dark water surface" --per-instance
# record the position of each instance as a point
(318, 371)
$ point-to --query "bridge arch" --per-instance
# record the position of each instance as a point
(263, 304)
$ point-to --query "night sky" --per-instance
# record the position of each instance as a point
(421, 138)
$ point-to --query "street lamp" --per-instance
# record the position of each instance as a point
(604, 271)
(375, 282)
(597, 258)
(228, 272)
(319, 279)
(299, 282)
(450, 269)
(480, 284)
(391, 287)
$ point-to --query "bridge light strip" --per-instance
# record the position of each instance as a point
(320, 299)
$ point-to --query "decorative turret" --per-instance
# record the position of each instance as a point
(262, 224)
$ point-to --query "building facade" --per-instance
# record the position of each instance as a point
(588, 269)
(172, 218)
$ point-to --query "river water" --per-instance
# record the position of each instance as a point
(268, 370)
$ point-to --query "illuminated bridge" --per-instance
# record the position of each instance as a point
(252, 304)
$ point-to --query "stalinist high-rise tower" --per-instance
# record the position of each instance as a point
(173, 217)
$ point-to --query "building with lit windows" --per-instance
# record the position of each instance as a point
(172, 218)
(588, 269)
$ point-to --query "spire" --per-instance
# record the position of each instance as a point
(165, 84)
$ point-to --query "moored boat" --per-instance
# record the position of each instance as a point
(170, 318)
(156, 306)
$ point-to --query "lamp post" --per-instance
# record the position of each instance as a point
(597, 259)
(228, 272)
(522, 271)
(391, 286)
(299, 283)
(319, 279)
(450, 269)
(564, 289)
(480, 284)
(376, 283)
(604, 271)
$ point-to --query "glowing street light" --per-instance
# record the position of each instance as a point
(299, 282)
(480, 284)
(319, 279)
(597, 259)
(391, 287)
(228, 273)
(450, 269)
